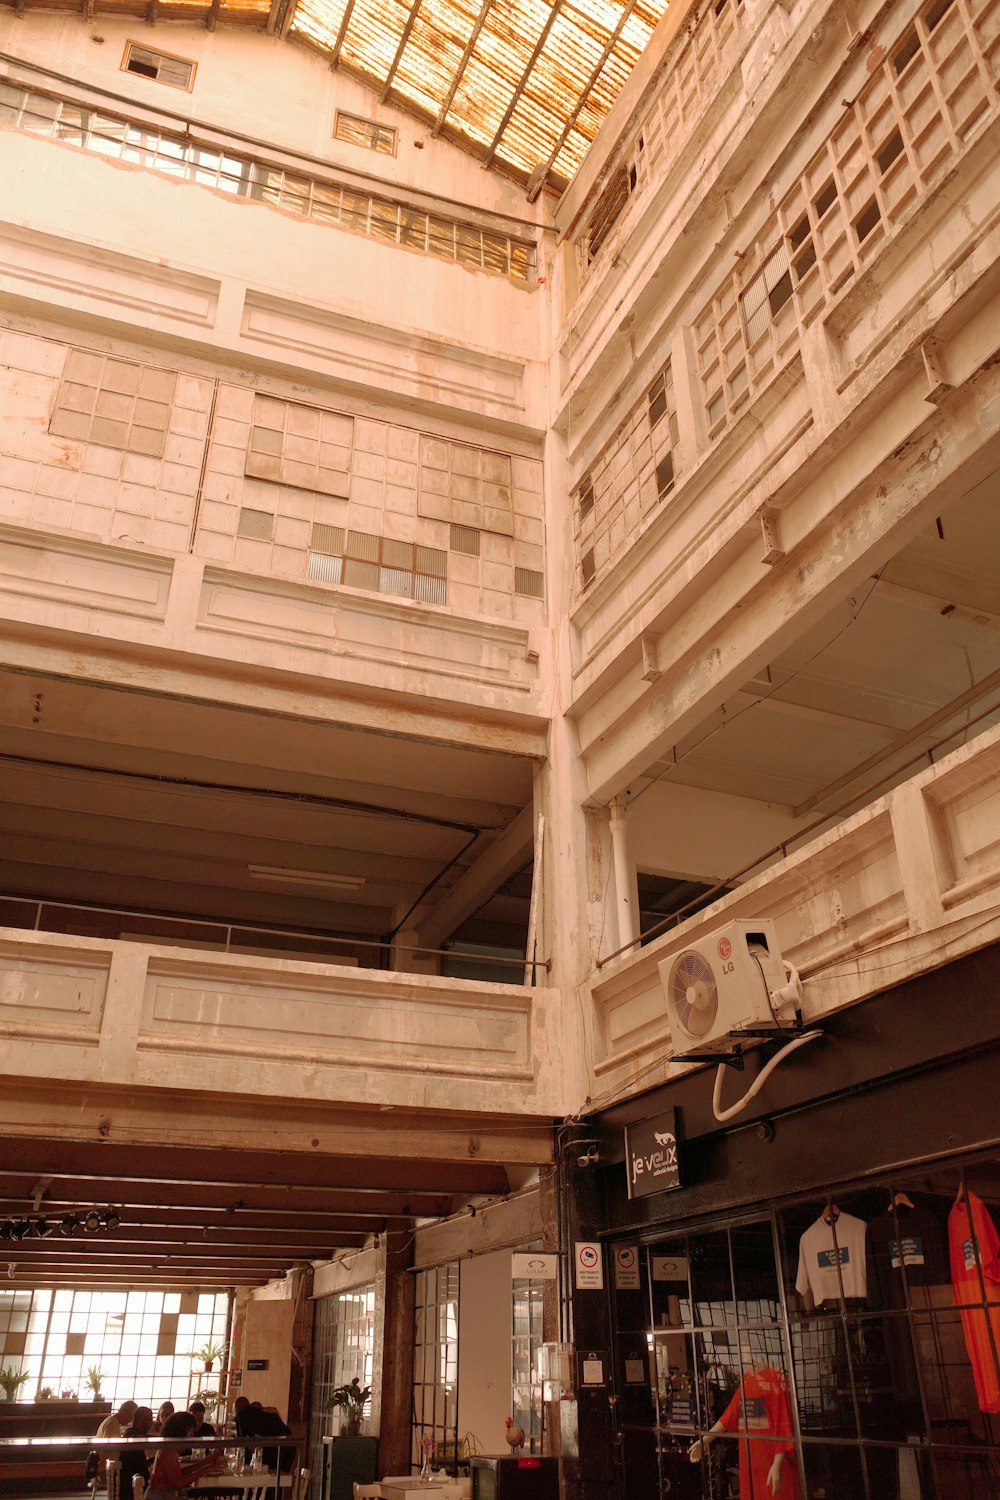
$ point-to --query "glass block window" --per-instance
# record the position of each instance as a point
(470, 487)
(115, 402)
(363, 560)
(367, 133)
(176, 72)
(302, 446)
(435, 1360)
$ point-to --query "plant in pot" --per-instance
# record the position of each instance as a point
(12, 1380)
(45, 1393)
(210, 1351)
(95, 1379)
(209, 1400)
(351, 1400)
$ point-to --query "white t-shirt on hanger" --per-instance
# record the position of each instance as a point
(819, 1253)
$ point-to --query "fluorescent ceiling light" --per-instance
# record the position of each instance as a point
(277, 875)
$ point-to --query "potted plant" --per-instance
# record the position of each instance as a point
(210, 1351)
(209, 1400)
(45, 1393)
(351, 1400)
(12, 1380)
(95, 1379)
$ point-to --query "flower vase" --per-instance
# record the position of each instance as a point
(425, 1471)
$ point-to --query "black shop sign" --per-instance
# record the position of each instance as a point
(651, 1155)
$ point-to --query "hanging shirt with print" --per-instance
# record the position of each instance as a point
(760, 1412)
(831, 1257)
(975, 1247)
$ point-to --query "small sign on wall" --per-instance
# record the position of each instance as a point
(256, 1364)
(627, 1268)
(535, 1267)
(589, 1266)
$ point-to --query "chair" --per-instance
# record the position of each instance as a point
(300, 1489)
(113, 1478)
(367, 1491)
(138, 1487)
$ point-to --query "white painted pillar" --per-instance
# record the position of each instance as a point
(626, 887)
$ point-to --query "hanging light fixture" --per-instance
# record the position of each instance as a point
(111, 1218)
(69, 1225)
(21, 1228)
(92, 1221)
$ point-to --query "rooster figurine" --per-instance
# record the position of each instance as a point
(514, 1435)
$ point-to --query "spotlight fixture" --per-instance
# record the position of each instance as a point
(43, 1227)
(92, 1221)
(21, 1227)
(111, 1218)
(69, 1225)
(6, 1230)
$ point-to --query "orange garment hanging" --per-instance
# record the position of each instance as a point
(975, 1247)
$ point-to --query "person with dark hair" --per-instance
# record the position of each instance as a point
(253, 1422)
(135, 1460)
(164, 1410)
(169, 1474)
(203, 1429)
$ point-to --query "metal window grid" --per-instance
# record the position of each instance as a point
(933, 92)
(293, 192)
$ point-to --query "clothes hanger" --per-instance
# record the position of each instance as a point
(960, 1195)
(902, 1201)
(831, 1213)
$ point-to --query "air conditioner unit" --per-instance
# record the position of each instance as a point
(729, 982)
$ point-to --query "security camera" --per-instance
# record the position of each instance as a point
(590, 1158)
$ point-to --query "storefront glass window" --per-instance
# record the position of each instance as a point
(854, 1335)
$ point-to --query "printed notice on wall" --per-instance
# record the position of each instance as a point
(627, 1268)
(589, 1268)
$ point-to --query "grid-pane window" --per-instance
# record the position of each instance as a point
(141, 1341)
(927, 96)
(435, 1361)
(343, 1347)
(485, 249)
(526, 1384)
(628, 479)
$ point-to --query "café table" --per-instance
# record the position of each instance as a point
(412, 1487)
(241, 1484)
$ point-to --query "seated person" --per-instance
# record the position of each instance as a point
(254, 1421)
(204, 1429)
(169, 1474)
(135, 1460)
(165, 1410)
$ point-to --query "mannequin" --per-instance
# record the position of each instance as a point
(761, 1414)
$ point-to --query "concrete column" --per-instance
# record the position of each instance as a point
(626, 887)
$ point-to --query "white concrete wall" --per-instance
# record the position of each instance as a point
(484, 1341)
(261, 87)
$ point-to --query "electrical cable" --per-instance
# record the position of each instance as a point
(759, 1081)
